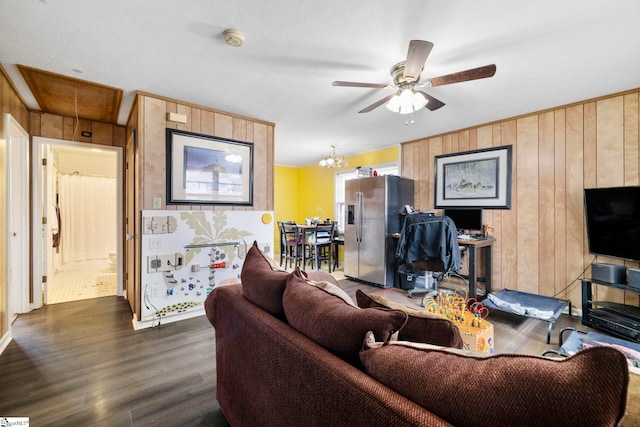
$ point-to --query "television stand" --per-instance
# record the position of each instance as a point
(618, 319)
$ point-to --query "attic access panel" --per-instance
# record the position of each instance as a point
(67, 96)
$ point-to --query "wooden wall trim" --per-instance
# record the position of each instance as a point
(201, 107)
(13, 87)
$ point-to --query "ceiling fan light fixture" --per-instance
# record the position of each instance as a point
(406, 101)
(333, 160)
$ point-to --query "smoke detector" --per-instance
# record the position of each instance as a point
(233, 37)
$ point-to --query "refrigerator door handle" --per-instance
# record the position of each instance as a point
(359, 197)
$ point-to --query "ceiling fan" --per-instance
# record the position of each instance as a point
(406, 78)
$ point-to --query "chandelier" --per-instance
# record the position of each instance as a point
(333, 160)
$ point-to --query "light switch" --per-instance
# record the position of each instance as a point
(157, 203)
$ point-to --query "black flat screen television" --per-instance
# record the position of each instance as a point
(465, 219)
(613, 221)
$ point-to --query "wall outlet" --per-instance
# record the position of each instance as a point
(155, 242)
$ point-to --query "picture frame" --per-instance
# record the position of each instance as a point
(208, 170)
(474, 179)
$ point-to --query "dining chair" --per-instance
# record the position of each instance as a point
(292, 241)
(283, 246)
(320, 245)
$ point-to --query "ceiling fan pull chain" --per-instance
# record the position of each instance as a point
(406, 122)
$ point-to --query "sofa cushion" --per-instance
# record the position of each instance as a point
(588, 388)
(421, 327)
(631, 416)
(333, 323)
(263, 282)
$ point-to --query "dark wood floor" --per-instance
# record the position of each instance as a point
(81, 363)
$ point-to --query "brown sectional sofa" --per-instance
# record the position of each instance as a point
(291, 351)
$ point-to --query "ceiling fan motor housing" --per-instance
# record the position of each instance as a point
(397, 73)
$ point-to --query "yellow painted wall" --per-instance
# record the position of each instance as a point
(285, 199)
(316, 185)
(309, 191)
(316, 193)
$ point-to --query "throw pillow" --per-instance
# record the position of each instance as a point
(333, 323)
(321, 276)
(332, 289)
(421, 326)
(263, 282)
(588, 388)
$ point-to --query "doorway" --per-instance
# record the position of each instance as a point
(17, 223)
(79, 192)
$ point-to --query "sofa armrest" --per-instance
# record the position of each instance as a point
(211, 302)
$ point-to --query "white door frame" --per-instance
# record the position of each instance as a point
(42, 232)
(17, 223)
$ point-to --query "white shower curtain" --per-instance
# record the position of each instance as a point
(88, 216)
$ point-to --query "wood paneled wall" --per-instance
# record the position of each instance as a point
(68, 129)
(148, 122)
(152, 142)
(541, 242)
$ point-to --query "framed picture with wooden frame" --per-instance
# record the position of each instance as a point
(474, 179)
(203, 169)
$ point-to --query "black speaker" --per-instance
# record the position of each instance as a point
(634, 277)
(609, 273)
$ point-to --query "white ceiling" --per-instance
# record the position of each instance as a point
(548, 53)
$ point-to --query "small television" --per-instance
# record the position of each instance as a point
(613, 221)
(465, 219)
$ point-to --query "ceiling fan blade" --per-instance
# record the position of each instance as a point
(357, 84)
(463, 76)
(417, 55)
(433, 103)
(377, 104)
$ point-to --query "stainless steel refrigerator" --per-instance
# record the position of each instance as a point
(373, 214)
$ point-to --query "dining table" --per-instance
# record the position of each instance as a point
(305, 230)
